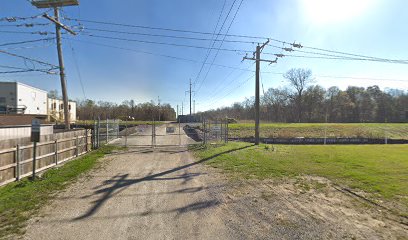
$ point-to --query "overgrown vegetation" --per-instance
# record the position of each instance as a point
(20, 200)
(290, 130)
(380, 170)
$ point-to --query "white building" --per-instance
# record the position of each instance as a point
(56, 110)
(17, 97)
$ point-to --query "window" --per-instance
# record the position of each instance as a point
(69, 107)
(54, 106)
(62, 106)
(2, 101)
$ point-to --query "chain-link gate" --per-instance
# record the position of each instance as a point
(105, 131)
(160, 134)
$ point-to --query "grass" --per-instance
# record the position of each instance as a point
(287, 130)
(91, 122)
(381, 170)
(20, 200)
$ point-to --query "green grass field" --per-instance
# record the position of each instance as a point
(380, 170)
(92, 122)
(288, 130)
(20, 200)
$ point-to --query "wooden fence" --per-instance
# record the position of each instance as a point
(17, 162)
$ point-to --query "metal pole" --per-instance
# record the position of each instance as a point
(258, 57)
(179, 126)
(325, 131)
(99, 127)
(126, 132)
(61, 69)
(34, 159)
(190, 96)
(107, 130)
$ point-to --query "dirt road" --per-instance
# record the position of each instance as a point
(164, 194)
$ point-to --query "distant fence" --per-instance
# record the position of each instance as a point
(16, 156)
(324, 140)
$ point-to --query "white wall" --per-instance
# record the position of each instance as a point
(55, 110)
(34, 99)
(22, 131)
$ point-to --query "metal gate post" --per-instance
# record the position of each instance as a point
(98, 136)
(107, 130)
(126, 132)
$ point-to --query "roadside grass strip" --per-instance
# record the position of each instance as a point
(21, 200)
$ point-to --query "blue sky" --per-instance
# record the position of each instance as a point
(368, 27)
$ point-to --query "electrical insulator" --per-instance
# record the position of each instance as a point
(11, 19)
(288, 49)
(279, 55)
(296, 45)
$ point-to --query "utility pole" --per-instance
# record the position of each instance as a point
(62, 70)
(177, 112)
(182, 108)
(193, 106)
(58, 26)
(258, 60)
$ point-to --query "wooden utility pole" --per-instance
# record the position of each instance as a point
(62, 70)
(58, 26)
(258, 60)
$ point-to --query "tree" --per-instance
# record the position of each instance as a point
(299, 79)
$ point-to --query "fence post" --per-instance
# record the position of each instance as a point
(34, 159)
(98, 137)
(107, 130)
(126, 133)
(76, 146)
(86, 140)
(56, 152)
(17, 156)
(227, 129)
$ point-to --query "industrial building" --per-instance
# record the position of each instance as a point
(20, 99)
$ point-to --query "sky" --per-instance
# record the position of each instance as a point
(106, 69)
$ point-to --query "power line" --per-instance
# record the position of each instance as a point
(28, 41)
(231, 91)
(228, 35)
(164, 43)
(167, 36)
(232, 21)
(151, 53)
(32, 32)
(29, 59)
(27, 25)
(213, 42)
(77, 69)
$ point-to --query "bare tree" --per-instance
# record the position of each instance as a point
(299, 79)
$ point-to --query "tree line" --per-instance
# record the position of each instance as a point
(127, 110)
(302, 101)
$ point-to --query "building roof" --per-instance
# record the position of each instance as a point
(20, 119)
(23, 84)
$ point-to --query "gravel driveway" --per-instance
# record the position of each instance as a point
(164, 193)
